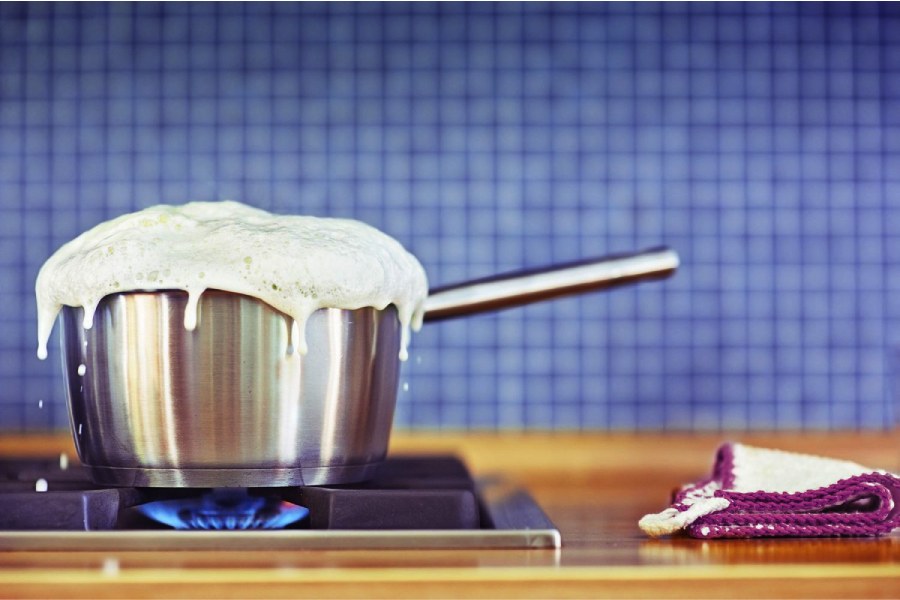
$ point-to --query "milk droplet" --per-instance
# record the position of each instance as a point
(298, 337)
(63, 461)
(40, 404)
(40, 485)
(190, 310)
(89, 309)
(110, 566)
(82, 370)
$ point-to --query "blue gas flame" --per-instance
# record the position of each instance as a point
(225, 508)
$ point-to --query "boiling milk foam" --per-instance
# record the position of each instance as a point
(295, 264)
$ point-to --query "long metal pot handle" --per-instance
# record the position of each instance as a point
(524, 287)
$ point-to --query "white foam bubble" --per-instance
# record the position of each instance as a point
(295, 264)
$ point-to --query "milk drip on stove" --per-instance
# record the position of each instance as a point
(296, 264)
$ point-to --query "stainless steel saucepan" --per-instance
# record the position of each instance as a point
(152, 404)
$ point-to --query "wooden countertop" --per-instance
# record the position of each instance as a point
(594, 487)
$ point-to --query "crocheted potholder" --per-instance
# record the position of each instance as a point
(755, 492)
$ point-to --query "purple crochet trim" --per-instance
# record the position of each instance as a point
(723, 472)
(863, 505)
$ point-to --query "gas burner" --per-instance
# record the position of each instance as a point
(411, 502)
(226, 508)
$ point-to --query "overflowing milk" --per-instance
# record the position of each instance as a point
(295, 264)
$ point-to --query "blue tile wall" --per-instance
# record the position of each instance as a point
(762, 141)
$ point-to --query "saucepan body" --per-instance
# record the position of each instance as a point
(230, 403)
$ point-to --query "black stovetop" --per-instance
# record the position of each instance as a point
(406, 493)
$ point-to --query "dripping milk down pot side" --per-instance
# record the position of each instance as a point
(229, 404)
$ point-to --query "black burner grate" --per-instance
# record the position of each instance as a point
(406, 493)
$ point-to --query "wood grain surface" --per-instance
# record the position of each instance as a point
(593, 486)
